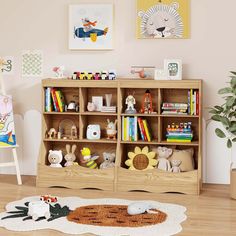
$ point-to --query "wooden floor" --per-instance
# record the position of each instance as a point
(211, 213)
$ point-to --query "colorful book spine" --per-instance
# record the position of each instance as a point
(127, 129)
(146, 130)
(178, 141)
(197, 103)
(140, 129)
(135, 128)
(60, 100)
(54, 99)
(191, 102)
(46, 100)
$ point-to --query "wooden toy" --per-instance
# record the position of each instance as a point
(70, 157)
(68, 129)
(104, 75)
(111, 129)
(130, 102)
(111, 76)
(90, 76)
(39, 209)
(82, 76)
(163, 155)
(52, 133)
(88, 159)
(48, 198)
(147, 103)
(55, 158)
(97, 76)
(109, 160)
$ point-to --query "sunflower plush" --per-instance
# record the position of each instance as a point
(141, 159)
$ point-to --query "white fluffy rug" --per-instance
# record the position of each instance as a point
(171, 226)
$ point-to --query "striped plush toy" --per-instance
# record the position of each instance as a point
(88, 159)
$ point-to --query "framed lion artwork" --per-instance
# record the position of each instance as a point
(163, 19)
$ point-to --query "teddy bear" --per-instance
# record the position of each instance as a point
(109, 160)
(55, 158)
(175, 166)
(163, 155)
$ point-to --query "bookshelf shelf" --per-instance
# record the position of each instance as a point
(120, 178)
(98, 114)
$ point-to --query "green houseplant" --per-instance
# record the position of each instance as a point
(226, 115)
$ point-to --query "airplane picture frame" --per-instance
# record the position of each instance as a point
(91, 26)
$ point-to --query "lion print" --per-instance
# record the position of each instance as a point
(161, 21)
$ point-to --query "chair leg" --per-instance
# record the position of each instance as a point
(17, 166)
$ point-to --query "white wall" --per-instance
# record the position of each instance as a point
(41, 24)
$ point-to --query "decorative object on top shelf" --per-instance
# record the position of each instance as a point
(59, 71)
(109, 160)
(103, 75)
(160, 74)
(91, 27)
(89, 159)
(179, 133)
(72, 107)
(130, 102)
(51, 134)
(70, 156)
(93, 132)
(98, 102)
(173, 67)
(55, 158)
(143, 72)
(111, 129)
(147, 107)
(175, 166)
(141, 159)
(68, 129)
(91, 106)
(163, 19)
(163, 155)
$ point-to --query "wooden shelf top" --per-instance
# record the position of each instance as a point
(61, 113)
(155, 142)
(98, 113)
(81, 140)
(140, 114)
(180, 116)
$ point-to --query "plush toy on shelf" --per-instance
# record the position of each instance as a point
(89, 159)
(111, 129)
(55, 158)
(70, 157)
(130, 102)
(109, 160)
(163, 155)
(175, 166)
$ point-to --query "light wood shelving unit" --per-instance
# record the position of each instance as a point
(120, 178)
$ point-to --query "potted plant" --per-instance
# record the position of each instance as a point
(226, 115)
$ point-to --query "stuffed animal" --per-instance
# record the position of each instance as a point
(163, 155)
(55, 158)
(111, 129)
(175, 166)
(70, 156)
(109, 160)
(89, 159)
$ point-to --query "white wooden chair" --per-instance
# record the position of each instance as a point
(14, 153)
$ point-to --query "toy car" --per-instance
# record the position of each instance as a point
(48, 198)
(39, 209)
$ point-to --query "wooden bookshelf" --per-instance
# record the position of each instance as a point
(120, 178)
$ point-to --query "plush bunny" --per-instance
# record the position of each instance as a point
(163, 155)
(109, 159)
(175, 166)
(70, 156)
(55, 158)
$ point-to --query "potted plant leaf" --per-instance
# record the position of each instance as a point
(226, 115)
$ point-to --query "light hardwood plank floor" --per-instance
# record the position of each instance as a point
(211, 213)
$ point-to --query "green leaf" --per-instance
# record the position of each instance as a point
(219, 108)
(225, 90)
(233, 72)
(216, 118)
(214, 112)
(220, 133)
(234, 140)
(225, 121)
(229, 143)
(233, 82)
(230, 101)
